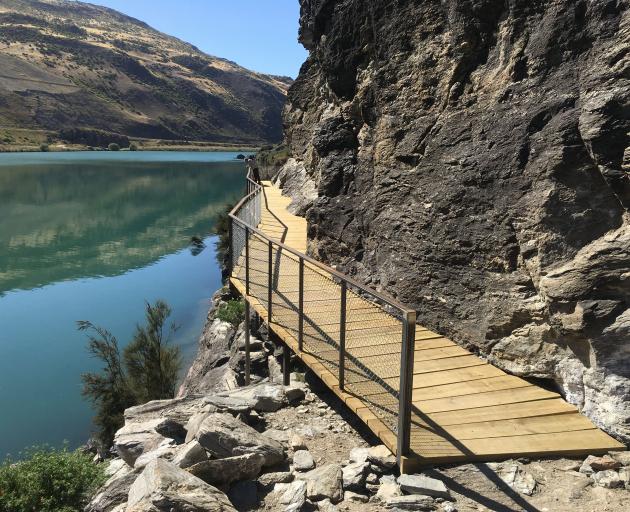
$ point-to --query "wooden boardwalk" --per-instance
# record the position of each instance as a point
(463, 407)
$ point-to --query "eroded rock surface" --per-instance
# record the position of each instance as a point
(472, 159)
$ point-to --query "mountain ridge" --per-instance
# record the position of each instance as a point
(78, 65)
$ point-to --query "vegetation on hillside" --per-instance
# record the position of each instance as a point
(232, 311)
(48, 480)
(146, 370)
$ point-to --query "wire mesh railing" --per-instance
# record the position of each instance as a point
(359, 335)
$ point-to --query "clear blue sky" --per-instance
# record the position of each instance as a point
(258, 34)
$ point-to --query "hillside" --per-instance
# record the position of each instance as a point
(69, 70)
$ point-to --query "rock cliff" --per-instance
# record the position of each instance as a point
(472, 158)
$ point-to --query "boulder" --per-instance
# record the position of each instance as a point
(608, 478)
(224, 436)
(303, 460)
(115, 490)
(244, 495)
(359, 454)
(324, 482)
(189, 454)
(233, 405)
(268, 480)
(386, 491)
(354, 475)
(294, 394)
(622, 457)
(411, 502)
(421, 484)
(177, 409)
(137, 438)
(297, 442)
(229, 469)
(193, 424)
(264, 397)
(592, 464)
(326, 506)
(294, 495)
(518, 479)
(165, 450)
(282, 436)
(163, 487)
(381, 456)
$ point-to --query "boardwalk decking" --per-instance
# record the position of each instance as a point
(463, 408)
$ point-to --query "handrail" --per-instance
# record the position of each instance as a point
(379, 295)
(405, 315)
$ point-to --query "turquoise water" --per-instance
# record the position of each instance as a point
(92, 236)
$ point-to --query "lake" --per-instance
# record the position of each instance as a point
(92, 236)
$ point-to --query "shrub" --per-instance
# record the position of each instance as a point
(232, 311)
(133, 147)
(113, 147)
(48, 480)
(44, 147)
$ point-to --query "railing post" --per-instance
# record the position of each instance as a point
(405, 390)
(230, 249)
(270, 284)
(301, 306)
(286, 363)
(247, 354)
(342, 336)
(247, 261)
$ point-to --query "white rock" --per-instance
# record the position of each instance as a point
(294, 494)
(609, 479)
(189, 454)
(297, 442)
(518, 479)
(421, 484)
(326, 506)
(354, 475)
(411, 502)
(324, 482)
(381, 457)
(303, 460)
(164, 486)
(387, 491)
(359, 454)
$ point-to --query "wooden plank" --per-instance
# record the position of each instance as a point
(520, 426)
(489, 398)
(502, 412)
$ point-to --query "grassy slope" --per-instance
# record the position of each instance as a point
(69, 64)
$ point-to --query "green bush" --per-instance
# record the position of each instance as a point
(133, 147)
(113, 147)
(232, 311)
(44, 147)
(48, 480)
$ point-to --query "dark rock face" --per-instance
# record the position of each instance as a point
(472, 158)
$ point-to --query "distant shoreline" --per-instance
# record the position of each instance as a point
(73, 148)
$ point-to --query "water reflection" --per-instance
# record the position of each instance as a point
(70, 220)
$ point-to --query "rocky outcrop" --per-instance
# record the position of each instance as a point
(472, 159)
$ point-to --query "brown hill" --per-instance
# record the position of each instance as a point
(67, 65)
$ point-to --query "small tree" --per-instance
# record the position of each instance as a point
(148, 369)
(108, 390)
(113, 147)
(152, 365)
(44, 147)
(133, 147)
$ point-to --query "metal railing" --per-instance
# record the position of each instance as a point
(362, 336)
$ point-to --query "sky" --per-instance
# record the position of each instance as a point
(258, 34)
